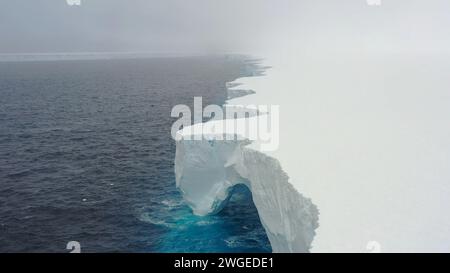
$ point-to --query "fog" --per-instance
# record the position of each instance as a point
(194, 26)
(213, 26)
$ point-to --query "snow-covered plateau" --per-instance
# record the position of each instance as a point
(364, 134)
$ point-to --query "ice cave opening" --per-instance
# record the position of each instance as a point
(240, 213)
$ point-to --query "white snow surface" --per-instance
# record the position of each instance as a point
(364, 132)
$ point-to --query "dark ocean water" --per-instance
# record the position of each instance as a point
(86, 155)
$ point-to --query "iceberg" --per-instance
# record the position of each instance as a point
(364, 109)
(369, 146)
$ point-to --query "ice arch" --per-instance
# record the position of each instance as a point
(206, 171)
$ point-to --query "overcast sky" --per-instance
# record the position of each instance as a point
(130, 25)
(211, 26)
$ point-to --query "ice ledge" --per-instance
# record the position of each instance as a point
(208, 165)
(206, 171)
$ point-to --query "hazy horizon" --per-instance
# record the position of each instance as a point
(232, 26)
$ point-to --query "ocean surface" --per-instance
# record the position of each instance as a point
(86, 155)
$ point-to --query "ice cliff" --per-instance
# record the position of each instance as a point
(208, 169)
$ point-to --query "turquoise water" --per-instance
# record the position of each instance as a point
(234, 229)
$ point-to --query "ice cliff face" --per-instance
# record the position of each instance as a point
(206, 171)
(213, 157)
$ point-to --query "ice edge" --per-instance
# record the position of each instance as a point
(206, 171)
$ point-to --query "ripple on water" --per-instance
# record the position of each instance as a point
(99, 131)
